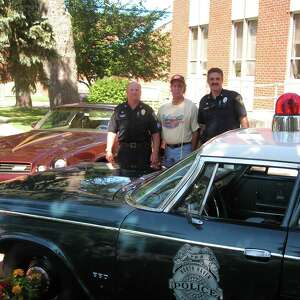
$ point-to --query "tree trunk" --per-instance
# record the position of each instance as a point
(23, 99)
(62, 71)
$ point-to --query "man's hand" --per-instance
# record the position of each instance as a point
(155, 163)
(109, 156)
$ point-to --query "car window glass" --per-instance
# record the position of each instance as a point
(152, 193)
(193, 198)
(97, 119)
(243, 193)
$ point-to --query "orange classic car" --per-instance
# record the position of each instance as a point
(67, 135)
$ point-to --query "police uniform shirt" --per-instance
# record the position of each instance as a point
(134, 125)
(220, 114)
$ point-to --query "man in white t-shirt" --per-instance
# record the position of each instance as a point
(179, 123)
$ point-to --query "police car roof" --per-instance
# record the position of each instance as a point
(255, 144)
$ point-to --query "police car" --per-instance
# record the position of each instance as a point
(224, 223)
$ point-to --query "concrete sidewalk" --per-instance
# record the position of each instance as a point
(7, 129)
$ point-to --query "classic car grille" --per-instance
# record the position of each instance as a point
(15, 168)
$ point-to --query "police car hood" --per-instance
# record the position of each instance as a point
(85, 193)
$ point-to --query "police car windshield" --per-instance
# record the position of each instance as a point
(154, 192)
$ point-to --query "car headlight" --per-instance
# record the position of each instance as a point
(41, 168)
(60, 163)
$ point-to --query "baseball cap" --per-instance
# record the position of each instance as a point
(178, 78)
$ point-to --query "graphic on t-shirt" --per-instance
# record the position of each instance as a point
(170, 121)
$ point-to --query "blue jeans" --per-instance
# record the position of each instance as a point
(173, 155)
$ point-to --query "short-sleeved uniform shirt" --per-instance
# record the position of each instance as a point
(134, 125)
(220, 114)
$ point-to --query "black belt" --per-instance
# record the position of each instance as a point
(135, 145)
(177, 145)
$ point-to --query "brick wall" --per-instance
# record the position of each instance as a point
(219, 35)
(180, 37)
(271, 49)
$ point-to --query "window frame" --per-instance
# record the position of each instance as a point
(292, 57)
(244, 59)
(215, 165)
(204, 160)
(201, 59)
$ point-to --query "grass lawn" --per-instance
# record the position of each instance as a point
(22, 118)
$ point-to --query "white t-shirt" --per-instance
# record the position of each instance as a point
(178, 121)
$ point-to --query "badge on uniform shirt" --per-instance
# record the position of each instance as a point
(143, 112)
(122, 114)
(225, 100)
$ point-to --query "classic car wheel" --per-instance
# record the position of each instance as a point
(56, 282)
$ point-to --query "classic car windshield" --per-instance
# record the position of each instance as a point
(153, 192)
(75, 118)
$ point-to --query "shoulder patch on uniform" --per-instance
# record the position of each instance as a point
(239, 99)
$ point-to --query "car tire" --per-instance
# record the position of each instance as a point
(57, 282)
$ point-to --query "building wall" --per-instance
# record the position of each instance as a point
(273, 46)
(271, 49)
(180, 37)
(219, 36)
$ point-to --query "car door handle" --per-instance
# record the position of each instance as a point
(196, 221)
(257, 254)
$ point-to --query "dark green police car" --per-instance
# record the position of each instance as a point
(224, 223)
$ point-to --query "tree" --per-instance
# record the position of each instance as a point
(113, 39)
(62, 70)
(26, 40)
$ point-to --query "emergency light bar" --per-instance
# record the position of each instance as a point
(288, 104)
(287, 113)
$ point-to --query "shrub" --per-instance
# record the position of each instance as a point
(108, 90)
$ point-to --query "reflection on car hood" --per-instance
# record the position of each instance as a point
(30, 144)
(83, 193)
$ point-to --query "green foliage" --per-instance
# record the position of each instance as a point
(114, 40)
(26, 41)
(22, 117)
(108, 90)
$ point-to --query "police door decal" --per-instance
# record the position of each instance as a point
(195, 274)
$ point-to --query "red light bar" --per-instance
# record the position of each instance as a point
(288, 104)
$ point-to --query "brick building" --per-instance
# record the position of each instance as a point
(255, 42)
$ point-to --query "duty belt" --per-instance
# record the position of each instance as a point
(177, 145)
(135, 145)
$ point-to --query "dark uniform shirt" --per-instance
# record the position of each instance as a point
(220, 114)
(134, 128)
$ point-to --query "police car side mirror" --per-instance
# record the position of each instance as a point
(192, 216)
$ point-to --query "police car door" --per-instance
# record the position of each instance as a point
(194, 250)
(234, 245)
(290, 287)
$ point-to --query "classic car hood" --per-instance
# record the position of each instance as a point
(39, 142)
(84, 193)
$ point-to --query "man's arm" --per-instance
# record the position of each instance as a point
(195, 139)
(155, 149)
(111, 137)
(244, 122)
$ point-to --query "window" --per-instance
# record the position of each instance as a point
(238, 49)
(155, 191)
(198, 50)
(251, 48)
(203, 45)
(295, 55)
(194, 50)
(240, 193)
(244, 48)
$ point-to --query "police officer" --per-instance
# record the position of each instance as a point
(136, 126)
(220, 110)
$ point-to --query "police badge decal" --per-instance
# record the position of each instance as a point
(195, 274)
